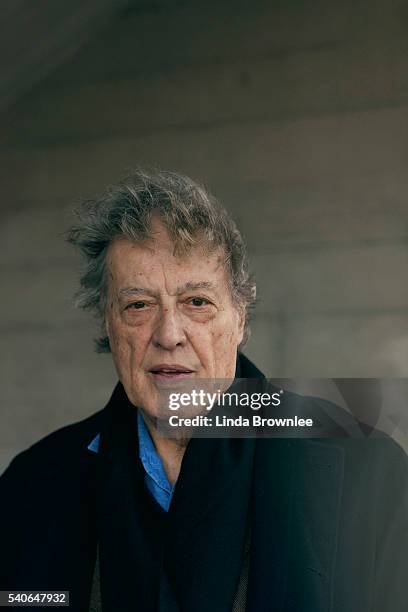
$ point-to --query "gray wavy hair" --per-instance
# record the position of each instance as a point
(190, 214)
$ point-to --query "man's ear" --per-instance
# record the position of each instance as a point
(241, 325)
(106, 326)
(107, 330)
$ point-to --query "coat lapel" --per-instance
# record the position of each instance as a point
(207, 523)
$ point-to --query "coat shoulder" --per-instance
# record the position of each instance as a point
(59, 448)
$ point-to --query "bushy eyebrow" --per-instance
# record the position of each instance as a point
(189, 286)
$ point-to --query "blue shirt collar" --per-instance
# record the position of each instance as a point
(155, 475)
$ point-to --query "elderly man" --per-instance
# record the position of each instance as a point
(127, 519)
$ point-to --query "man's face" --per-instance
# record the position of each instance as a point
(168, 317)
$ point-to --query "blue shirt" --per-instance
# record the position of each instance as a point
(155, 476)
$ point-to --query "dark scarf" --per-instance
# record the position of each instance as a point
(190, 558)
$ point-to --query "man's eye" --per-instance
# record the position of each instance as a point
(136, 305)
(199, 302)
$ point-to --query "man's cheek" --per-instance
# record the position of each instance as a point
(225, 337)
(222, 343)
(125, 339)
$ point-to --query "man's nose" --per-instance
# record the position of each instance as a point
(169, 331)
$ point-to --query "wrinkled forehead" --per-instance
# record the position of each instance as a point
(156, 260)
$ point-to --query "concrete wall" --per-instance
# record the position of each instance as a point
(294, 113)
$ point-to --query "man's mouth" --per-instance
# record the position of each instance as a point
(170, 372)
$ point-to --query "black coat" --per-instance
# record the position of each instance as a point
(329, 524)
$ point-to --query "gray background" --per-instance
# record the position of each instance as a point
(294, 113)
